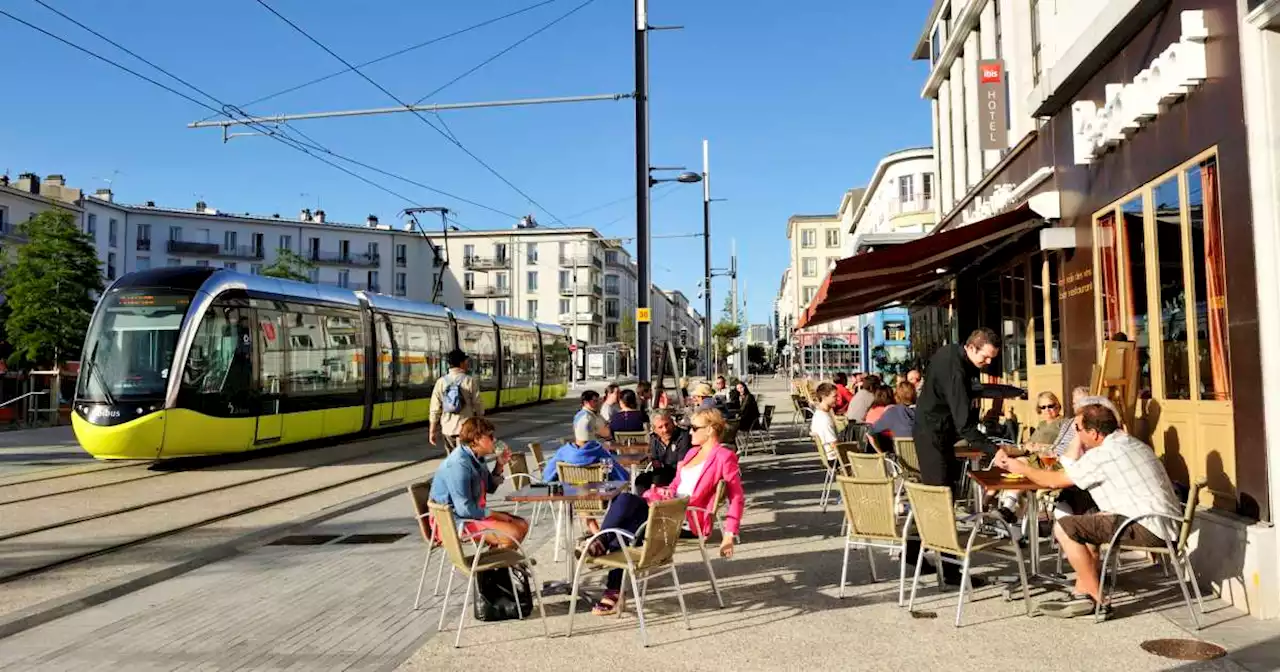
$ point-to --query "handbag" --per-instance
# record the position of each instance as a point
(495, 600)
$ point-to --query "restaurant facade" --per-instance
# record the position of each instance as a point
(1115, 214)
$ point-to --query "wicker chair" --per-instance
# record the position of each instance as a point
(870, 523)
(655, 556)
(701, 535)
(535, 449)
(829, 466)
(934, 514)
(420, 495)
(518, 468)
(483, 559)
(730, 437)
(1175, 553)
(908, 458)
(631, 438)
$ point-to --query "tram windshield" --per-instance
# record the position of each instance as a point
(130, 347)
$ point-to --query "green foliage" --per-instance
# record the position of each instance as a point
(47, 290)
(723, 335)
(289, 265)
(756, 354)
(627, 329)
(884, 365)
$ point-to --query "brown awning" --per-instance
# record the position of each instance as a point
(867, 282)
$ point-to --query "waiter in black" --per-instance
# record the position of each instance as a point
(945, 414)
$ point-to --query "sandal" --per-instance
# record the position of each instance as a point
(610, 604)
(595, 549)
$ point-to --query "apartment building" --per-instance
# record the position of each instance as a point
(619, 292)
(898, 204)
(817, 243)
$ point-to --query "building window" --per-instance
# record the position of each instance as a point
(926, 188)
(402, 284)
(564, 280)
(313, 275)
(611, 310)
(173, 261)
(344, 278)
(373, 252)
(111, 264)
(144, 237)
(258, 245)
(470, 305)
(229, 265)
(935, 45)
(402, 255)
(809, 267)
(531, 309)
(286, 243)
(1035, 42)
(344, 249)
(501, 280)
(564, 306)
(469, 281)
(831, 263)
(229, 241)
(833, 237)
(373, 283)
(255, 269)
(500, 307)
(531, 281)
(1208, 266)
(500, 252)
(808, 294)
(112, 225)
(906, 188)
(895, 331)
(314, 247)
(202, 263)
(611, 284)
(531, 253)
(809, 238)
(91, 226)
(468, 252)
(611, 257)
(143, 264)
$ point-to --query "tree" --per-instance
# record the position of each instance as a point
(756, 354)
(723, 335)
(48, 289)
(627, 329)
(290, 265)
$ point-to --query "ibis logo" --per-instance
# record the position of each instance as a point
(991, 73)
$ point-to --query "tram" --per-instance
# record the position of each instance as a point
(184, 361)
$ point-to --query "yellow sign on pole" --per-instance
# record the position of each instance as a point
(642, 314)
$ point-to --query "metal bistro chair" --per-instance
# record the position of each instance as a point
(420, 494)
(730, 437)
(518, 467)
(831, 467)
(574, 475)
(764, 435)
(801, 415)
(701, 541)
(540, 462)
(654, 556)
(935, 520)
(871, 523)
(484, 559)
(631, 438)
(1175, 553)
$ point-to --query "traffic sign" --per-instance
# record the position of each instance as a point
(642, 314)
(573, 347)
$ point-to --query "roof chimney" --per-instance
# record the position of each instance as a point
(103, 195)
(150, 204)
(371, 221)
(4, 180)
(55, 180)
(201, 206)
(320, 216)
(29, 183)
(305, 215)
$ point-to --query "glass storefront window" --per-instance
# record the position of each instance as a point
(1055, 312)
(1013, 331)
(1173, 291)
(1133, 236)
(1108, 279)
(1037, 310)
(1209, 269)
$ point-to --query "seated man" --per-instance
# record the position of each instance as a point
(583, 451)
(1125, 479)
(462, 482)
(588, 417)
(667, 447)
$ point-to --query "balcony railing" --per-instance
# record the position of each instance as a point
(192, 249)
(486, 263)
(144, 244)
(581, 260)
(584, 317)
(581, 289)
(481, 291)
(401, 262)
(911, 206)
(611, 291)
(240, 252)
(340, 259)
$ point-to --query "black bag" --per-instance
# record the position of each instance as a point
(494, 600)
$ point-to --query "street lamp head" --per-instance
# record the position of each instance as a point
(689, 178)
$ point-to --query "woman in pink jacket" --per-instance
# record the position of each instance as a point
(701, 471)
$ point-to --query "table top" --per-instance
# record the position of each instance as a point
(571, 493)
(994, 479)
(967, 453)
(632, 459)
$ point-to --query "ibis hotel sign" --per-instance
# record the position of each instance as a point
(993, 96)
(1177, 71)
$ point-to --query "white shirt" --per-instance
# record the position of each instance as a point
(824, 426)
(1124, 477)
(689, 479)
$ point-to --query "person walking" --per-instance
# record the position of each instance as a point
(945, 413)
(455, 397)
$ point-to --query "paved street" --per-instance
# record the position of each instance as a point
(349, 606)
(26, 451)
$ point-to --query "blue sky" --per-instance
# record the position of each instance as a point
(799, 104)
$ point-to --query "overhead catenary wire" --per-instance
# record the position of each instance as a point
(395, 53)
(417, 114)
(224, 111)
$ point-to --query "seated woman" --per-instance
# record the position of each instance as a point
(897, 420)
(1051, 419)
(749, 415)
(703, 469)
(629, 418)
(883, 400)
(463, 482)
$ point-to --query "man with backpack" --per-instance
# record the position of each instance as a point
(455, 398)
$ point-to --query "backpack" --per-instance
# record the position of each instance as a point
(452, 395)
(494, 599)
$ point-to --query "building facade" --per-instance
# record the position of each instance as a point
(816, 244)
(897, 205)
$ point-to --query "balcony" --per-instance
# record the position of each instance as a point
(581, 260)
(584, 317)
(401, 262)
(611, 291)
(192, 249)
(144, 244)
(898, 207)
(486, 263)
(484, 291)
(340, 259)
(581, 289)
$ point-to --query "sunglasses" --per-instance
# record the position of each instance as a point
(1045, 408)
(697, 427)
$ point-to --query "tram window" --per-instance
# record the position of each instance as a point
(388, 365)
(344, 354)
(307, 373)
(272, 365)
(478, 343)
(219, 360)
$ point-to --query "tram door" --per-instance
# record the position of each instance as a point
(270, 366)
(390, 376)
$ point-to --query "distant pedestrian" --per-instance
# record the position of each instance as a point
(455, 398)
